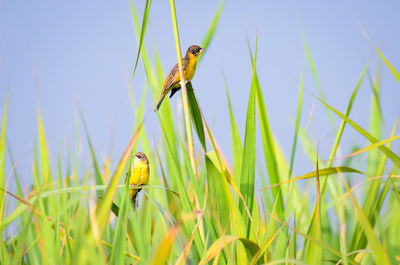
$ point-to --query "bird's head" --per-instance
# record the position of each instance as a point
(194, 51)
(139, 156)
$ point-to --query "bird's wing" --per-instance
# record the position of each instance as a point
(173, 76)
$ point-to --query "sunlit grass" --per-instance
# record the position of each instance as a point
(200, 208)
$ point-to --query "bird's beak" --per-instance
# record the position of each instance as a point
(202, 50)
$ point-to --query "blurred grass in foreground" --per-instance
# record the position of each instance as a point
(200, 209)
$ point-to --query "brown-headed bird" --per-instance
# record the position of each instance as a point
(172, 82)
(138, 175)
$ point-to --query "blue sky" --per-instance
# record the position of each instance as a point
(60, 52)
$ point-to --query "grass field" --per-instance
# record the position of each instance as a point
(200, 208)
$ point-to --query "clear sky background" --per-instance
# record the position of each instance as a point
(58, 52)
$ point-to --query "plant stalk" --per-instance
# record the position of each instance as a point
(184, 92)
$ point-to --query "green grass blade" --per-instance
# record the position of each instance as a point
(142, 32)
(97, 174)
(372, 206)
(378, 251)
(19, 249)
(2, 162)
(179, 183)
(316, 79)
(269, 150)
(164, 249)
(376, 120)
(333, 188)
(184, 91)
(368, 136)
(217, 197)
(196, 115)
(237, 148)
(313, 252)
(249, 154)
(223, 207)
(44, 157)
(212, 27)
(384, 59)
(374, 146)
(343, 123)
(321, 172)
(16, 177)
(216, 248)
(296, 128)
(392, 69)
(120, 230)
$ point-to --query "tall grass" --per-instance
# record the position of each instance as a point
(198, 208)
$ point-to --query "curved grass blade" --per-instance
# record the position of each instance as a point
(318, 242)
(313, 252)
(368, 136)
(237, 148)
(392, 69)
(16, 177)
(259, 255)
(21, 244)
(339, 134)
(179, 183)
(376, 119)
(182, 257)
(164, 249)
(296, 128)
(373, 146)
(142, 32)
(196, 115)
(44, 156)
(321, 172)
(378, 251)
(215, 249)
(119, 242)
(212, 27)
(249, 154)
(222, 205)
(372, 206)
(343, 123)
(269, 149)
(2, 160)
(97, 174)
(315, 75)
(218, 201)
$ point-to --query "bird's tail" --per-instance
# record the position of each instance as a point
(135, 199)
(159, 102)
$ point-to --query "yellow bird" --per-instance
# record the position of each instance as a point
(138, 175)
(172, 82)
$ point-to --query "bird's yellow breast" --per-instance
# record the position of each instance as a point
(190, 68)
(139, 175)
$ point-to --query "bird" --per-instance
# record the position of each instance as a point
(138, 175)
(172, 82)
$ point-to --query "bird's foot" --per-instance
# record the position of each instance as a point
(135, 187)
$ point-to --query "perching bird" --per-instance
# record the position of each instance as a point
(138, 175)
(172, 82)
